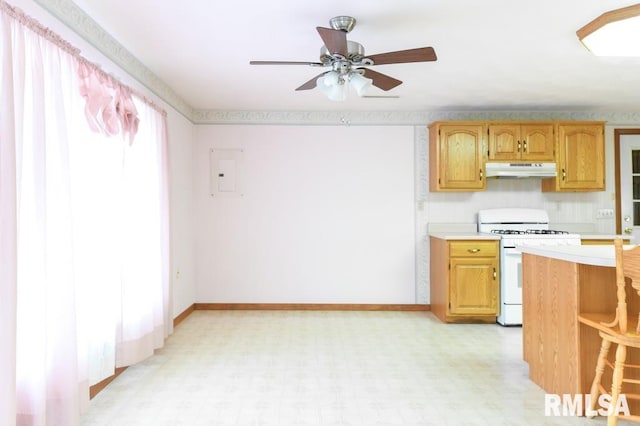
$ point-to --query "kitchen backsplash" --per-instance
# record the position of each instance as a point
(562, 207)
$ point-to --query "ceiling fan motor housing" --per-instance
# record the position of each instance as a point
(355, 53)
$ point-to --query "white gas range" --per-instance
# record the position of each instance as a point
(518, 227)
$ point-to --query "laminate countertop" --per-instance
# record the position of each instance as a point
(464, 236)
(597, 255)
(605, 236)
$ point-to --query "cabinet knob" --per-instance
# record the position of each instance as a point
(481, 174)
(564, 174)
(524, 144)
(495, 274)
(473, 250)
(519, 146)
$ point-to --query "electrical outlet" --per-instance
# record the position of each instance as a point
(604, 214)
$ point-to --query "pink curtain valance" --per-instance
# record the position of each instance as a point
(109, 107)
(109, 104)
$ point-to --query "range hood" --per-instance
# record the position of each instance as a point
(520, 170)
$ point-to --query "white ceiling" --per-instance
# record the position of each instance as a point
(492, 54)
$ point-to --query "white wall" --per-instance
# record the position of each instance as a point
(180, 138)
(327, 216)
(268, 247)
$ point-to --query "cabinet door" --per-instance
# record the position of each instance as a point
(461, 157)
(537, 142)
(474, 286)
(581, 152)
(504, 142)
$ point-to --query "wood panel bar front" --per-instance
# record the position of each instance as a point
(567, 294)
(550, 327)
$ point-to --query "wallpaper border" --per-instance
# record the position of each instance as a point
(407, 118)
(82, 24)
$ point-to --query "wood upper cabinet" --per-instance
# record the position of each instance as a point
(459, 150)
(580, 158)
(521, 142)
(457, 156)
(464, 280)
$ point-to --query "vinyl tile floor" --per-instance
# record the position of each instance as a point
(328, 368)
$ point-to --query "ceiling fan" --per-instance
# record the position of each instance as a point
(348, 60)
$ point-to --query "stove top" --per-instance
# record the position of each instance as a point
(523, 227)
(528, 232)
(536, 237)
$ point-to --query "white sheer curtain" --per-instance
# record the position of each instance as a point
(8, 229)
(83, 234)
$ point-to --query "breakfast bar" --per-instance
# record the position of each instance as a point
(567, 292)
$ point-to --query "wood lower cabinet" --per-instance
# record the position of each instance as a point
(521, 142)
(457, 156)
(464, 280)
(580, 159)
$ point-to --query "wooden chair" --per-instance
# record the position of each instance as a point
(624, 331)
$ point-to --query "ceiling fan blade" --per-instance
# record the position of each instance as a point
(311, 84)
(313, 64)
(421, 54)
(380, 80)
(334, 40)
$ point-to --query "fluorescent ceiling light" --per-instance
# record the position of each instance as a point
(614, 33)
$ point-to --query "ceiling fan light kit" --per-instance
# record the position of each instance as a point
(348, 60)
(614, 33)
(334, 84)
(359, 83)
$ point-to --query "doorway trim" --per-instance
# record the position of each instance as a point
(616, 154)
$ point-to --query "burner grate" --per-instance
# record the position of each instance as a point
(529, 231)
(545, 231)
